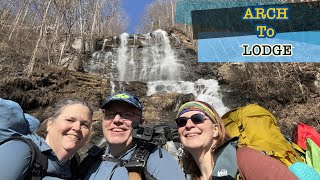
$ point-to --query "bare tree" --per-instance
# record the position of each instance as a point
(27, 6)
(15, 24)
(53, 26)
(159, 15)
(81, 28)
(33, 58)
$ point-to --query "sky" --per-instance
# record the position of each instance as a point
(134, 9)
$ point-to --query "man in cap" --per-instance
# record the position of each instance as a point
(123, 113)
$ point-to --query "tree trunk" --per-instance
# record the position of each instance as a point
(94, 20)
(55, 36)
(23, 18)
(15, 24)
(33, 58)
(172, 13)
(82, 46)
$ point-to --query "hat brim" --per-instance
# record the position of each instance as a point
(106, 104)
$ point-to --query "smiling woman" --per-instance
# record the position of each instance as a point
(209, 153)
(68, 129)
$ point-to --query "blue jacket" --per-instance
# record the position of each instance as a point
(15, 157)
(161, 168)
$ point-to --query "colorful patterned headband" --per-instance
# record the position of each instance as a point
(197, 106)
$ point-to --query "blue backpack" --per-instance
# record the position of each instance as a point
(12, 120)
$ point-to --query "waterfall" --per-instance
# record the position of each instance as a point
(132, 66)
(122, 56)
(204, 90)
(151, 58)
(104, 44)
(97, 64)
(113, 87)
(157, 60)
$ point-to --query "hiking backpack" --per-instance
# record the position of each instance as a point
(257, 128)
(39, 162)
(148, 139)
(135, 165)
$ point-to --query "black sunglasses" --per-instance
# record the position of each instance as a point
(123, 115)
(196, 119)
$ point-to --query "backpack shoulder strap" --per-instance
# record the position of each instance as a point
(75, 162)
(39, 162)
(138, 161)
(94, 155)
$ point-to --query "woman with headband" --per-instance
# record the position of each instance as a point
(209, 153)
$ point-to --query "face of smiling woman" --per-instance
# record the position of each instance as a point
(69, 131)
(195, 136)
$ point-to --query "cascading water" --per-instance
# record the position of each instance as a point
(122, 56)
(98, 64)
(150, 58)
(205, 90)
(159, 60)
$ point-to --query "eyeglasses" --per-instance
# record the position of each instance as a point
(196, 119)
(123, 115)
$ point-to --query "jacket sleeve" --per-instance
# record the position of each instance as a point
(15, 157)
(164, 168)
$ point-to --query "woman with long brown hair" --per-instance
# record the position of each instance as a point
(209, 153)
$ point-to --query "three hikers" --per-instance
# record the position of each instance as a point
(208, 151)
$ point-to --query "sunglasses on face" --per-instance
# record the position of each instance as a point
(196, 119)
(123, 115)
